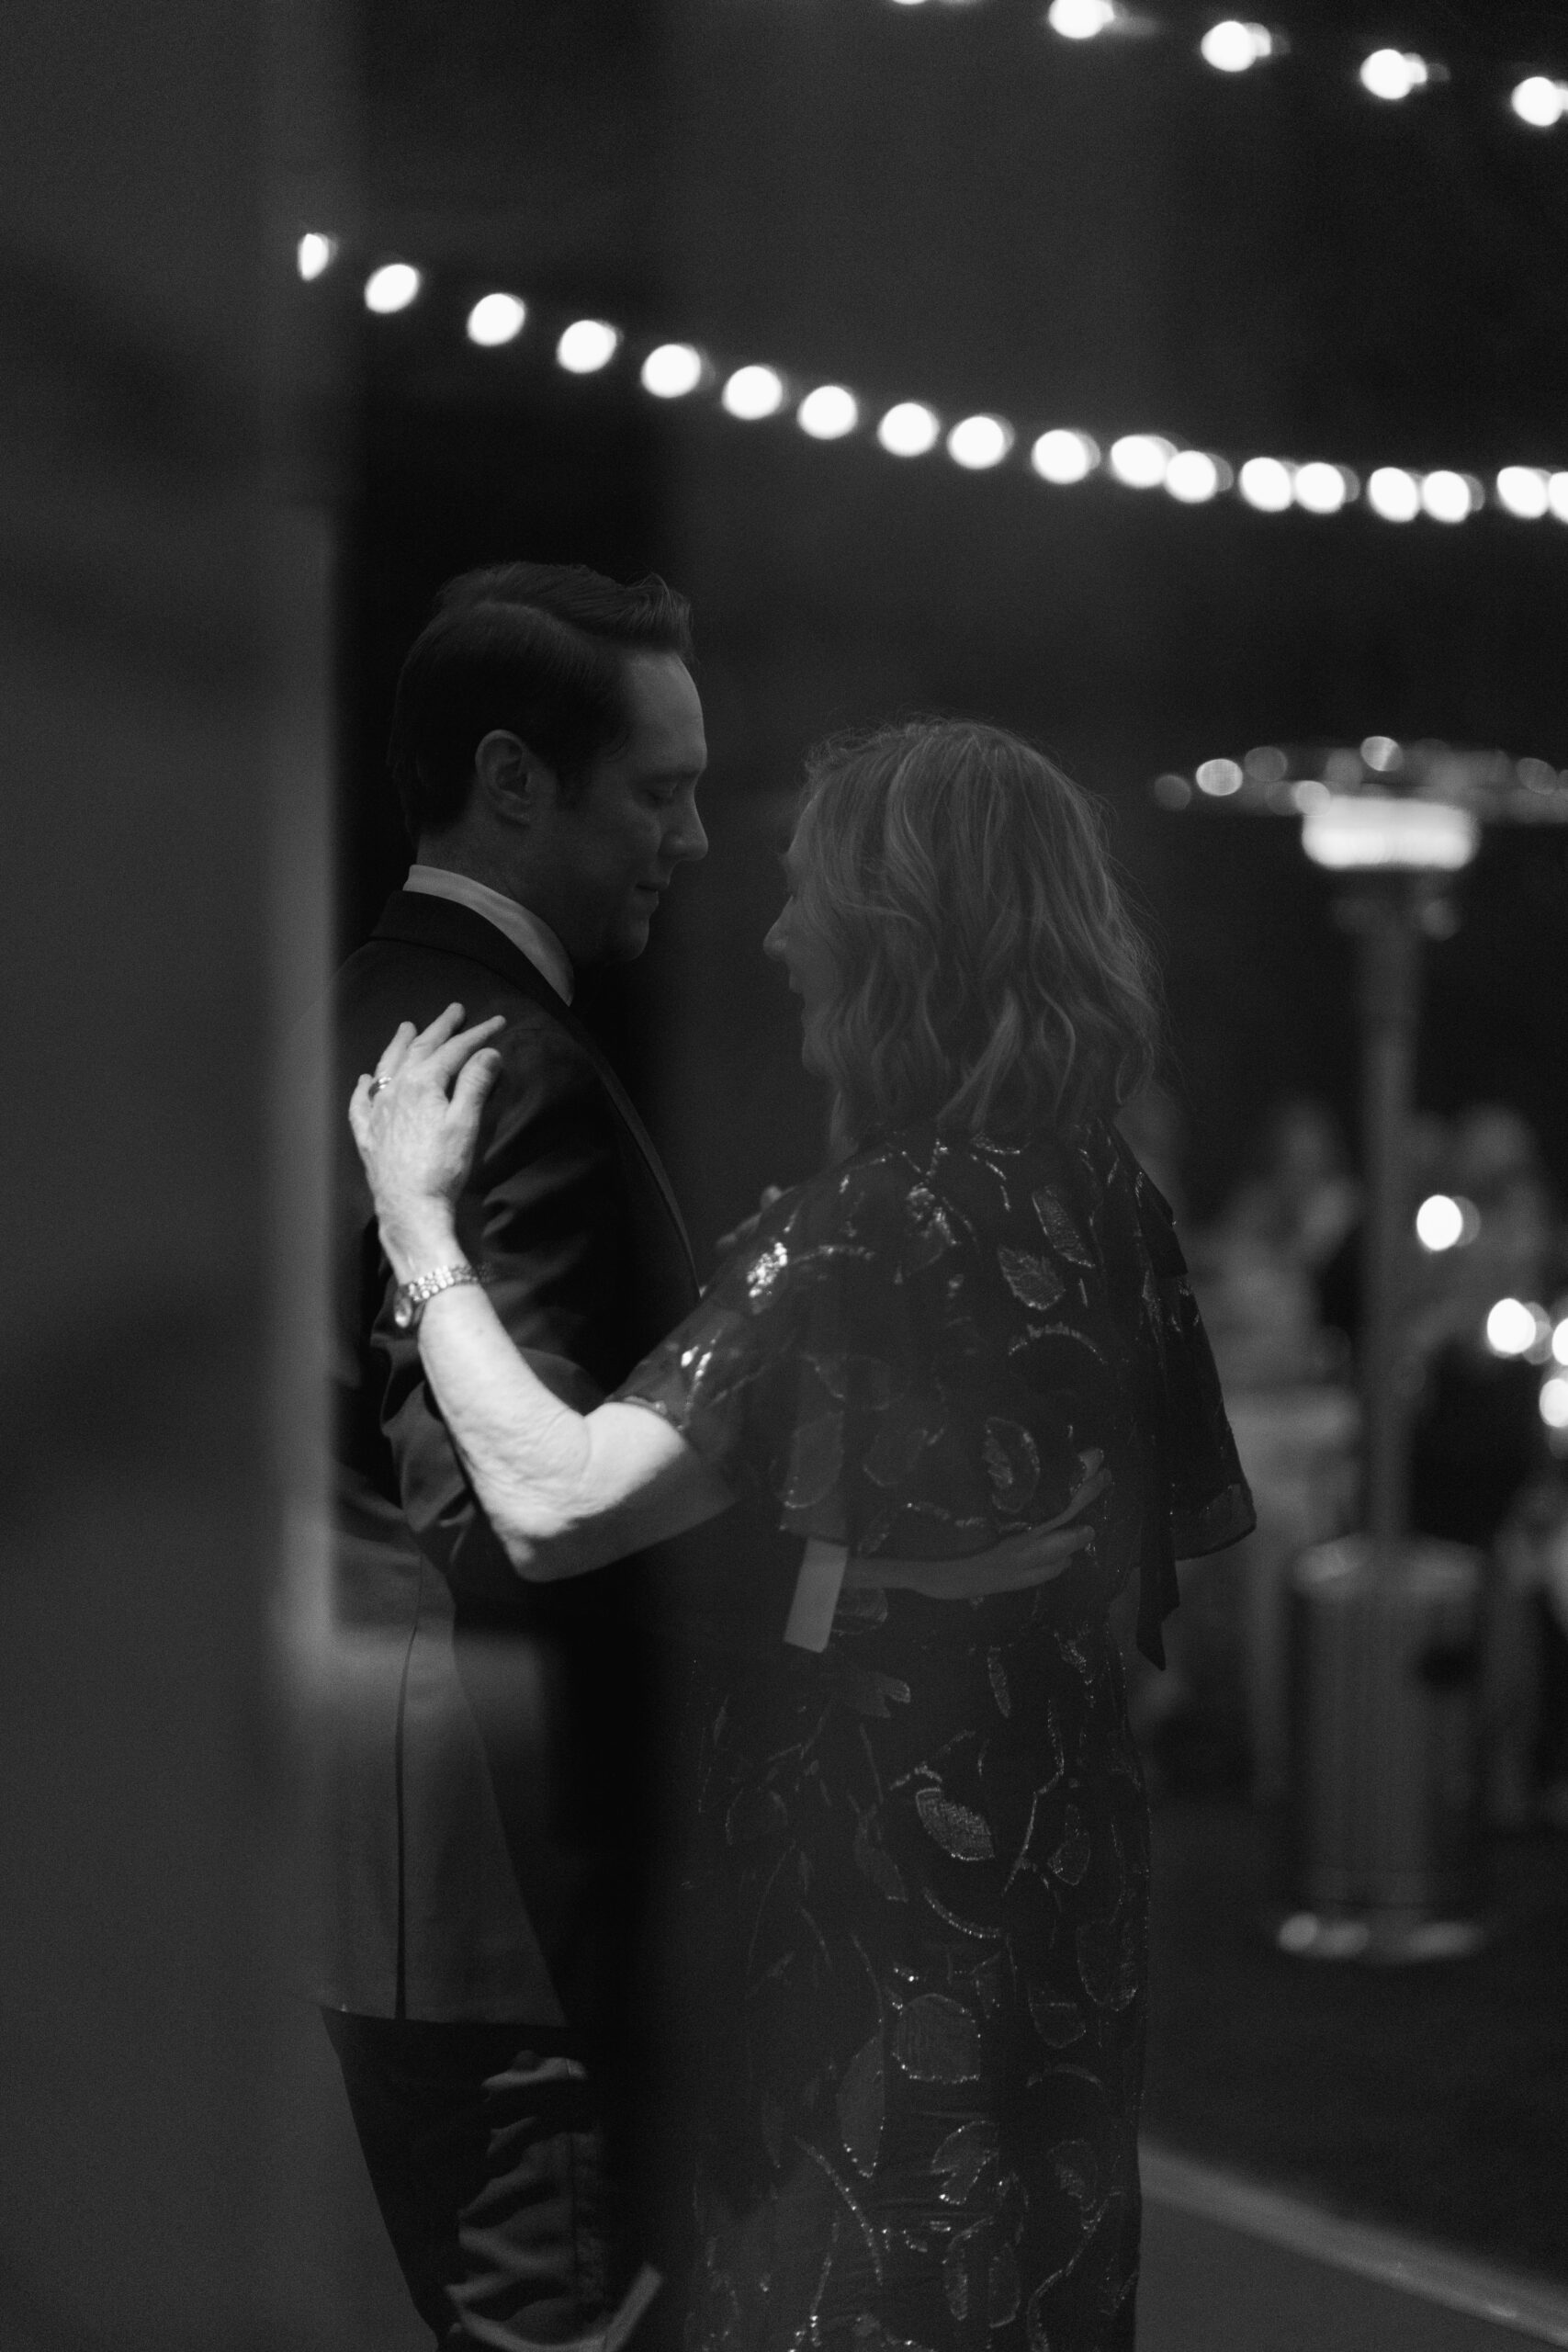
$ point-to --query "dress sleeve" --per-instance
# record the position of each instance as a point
(847, 1373)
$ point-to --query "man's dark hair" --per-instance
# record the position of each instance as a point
(537, 649)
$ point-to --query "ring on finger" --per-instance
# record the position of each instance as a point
(377, 1083)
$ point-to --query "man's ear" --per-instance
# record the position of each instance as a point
(510, 780)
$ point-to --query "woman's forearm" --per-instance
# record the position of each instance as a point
(565, 1492)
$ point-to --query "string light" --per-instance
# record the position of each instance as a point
(391, 288)
(1062, 456)
(1393, 74)
(315, 254)
(587, 346)
(1080, 19)
(752, 393)
(496, 318)
(1539, 101)
(908, 430)
(1231, 46)
(1218, 778)
(1554, 1402)
(977, 443)
(828, 412)
(671, 370)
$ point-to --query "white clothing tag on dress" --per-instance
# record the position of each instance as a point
(815, 1595)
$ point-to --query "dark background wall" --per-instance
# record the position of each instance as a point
(948, 203)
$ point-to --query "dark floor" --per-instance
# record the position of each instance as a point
(1431, 2099)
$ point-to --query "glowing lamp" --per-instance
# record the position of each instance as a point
(1140, 459)
(752, 393)
(1521, 491)
(1393, 74)
(1219, 778)
(1063, 457)
(1266, 483)
(1192, 477)
(587, 346)
(1080, 19)
(1321, 488)
(1394, 494)
(1449, 497)
(313, 254)
(496, 318)
(1372, 829)
(671, 370)
(1539, 101)
(1232, 46)
(391, 288)
(1440, 1223)
(828, 413)
(979, 442)
(1554, 1402)
(908, 430)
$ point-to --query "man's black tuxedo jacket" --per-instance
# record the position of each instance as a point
(489, 1777)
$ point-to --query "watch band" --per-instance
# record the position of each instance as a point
(410, 1303)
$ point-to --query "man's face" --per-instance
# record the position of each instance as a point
(613, 848)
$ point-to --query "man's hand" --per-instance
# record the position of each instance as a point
(1015, 1565)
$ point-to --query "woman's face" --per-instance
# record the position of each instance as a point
(804, 955)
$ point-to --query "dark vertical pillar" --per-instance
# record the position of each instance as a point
(1389, 960)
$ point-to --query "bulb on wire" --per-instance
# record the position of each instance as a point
(1393, 74)
(587, 346)
(1063, 457)
(977, 443)
(1521, 491)
(828, 413)
(671, 370)
(496, 318)
(1232, 46)
(1080, 19)
(1266, 483)
(1539, 101)
(908, 430)
(313, 254)
(391, 288)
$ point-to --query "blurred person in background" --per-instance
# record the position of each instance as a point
(916, 1897)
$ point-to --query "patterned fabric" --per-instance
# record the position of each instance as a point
(916, 1896)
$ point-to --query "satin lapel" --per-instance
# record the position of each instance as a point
(420, 919)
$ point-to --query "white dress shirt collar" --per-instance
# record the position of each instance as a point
(536, 939)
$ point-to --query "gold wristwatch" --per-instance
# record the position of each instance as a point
(410, 1303)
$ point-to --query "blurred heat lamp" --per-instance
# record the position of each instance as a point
(1080, 19)
(828, 413)
(1539, 101)
(671, 370)
(752, 393)
(1351, 830)
(391, 288)
(496, 318)
(1554, 1402)
(977, 443)
(313, 254)
(1062, 456)
(1444, 1222)
(587, 346)
(1231, 46)
(908, 430)
(1266, 483)
(1393, 74)
(1140, 459)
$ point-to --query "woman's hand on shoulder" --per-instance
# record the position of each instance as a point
(415, 1121)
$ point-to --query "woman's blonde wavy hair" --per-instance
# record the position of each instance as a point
(990, 975)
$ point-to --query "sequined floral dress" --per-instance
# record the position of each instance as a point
(916, 1902)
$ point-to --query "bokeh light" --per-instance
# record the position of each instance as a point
(978, 442)
(1063, 457)
(828, 413)
(752, 393)
(908, 430)
(1560, 1342)
(1554, 1402)
(1192, 476)
(1394, 494)
(1219, 778)
(1172, 791)
(1511, 1328)
(1557, 495)
(587, 346)
(672, 369)
(1521, 491)
(1382, 753)
(1321, 488)
(391, 288)
(313, 254)
(1393, 74)
(496, 318)
(1266, 483)
(1231, 46)
(1440, 1223)
(1539, 101)
(1080, 19)
(1448, 497)
(1139, 459)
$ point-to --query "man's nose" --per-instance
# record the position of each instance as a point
(689, 839)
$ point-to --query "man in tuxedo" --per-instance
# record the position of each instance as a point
(489, 1776)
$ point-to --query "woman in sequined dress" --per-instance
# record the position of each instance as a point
(917, 1894)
